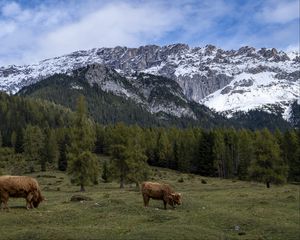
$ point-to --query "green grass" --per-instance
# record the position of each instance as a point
(220, 209)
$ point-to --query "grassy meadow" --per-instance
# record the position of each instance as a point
(220, 209)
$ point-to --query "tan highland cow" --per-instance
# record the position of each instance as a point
(162, 192)
(20, 187)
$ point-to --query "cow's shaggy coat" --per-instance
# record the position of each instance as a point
(20, 187)
(162, 192)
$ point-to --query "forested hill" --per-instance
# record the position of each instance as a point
(153, 101)
(159, 108)
(18, 112)
(38, 134)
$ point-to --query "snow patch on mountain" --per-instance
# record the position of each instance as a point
(252, 91)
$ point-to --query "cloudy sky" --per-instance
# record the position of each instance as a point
(32, 30)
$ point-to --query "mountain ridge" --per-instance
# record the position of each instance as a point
(227, 81)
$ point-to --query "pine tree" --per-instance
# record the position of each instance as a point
(219, 153)
(230, 166)
(187, 146)
(33, 146)
(13, 139)
(118, 162)
(84, 169)
(291, 154)
(63, 140)
(163, 149)
(83, 165)
(245, 153)
(0, 139)
(19, 141)
(105, 172)
(204, 158)
(150, 146)
(138, 169)
(267, 166)
(51, 152)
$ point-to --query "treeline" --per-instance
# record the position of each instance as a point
(107, 108)
(59, 139)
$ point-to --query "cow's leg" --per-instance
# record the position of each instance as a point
(165, 205)
(4, 200)
(146, 200)
(166, 199)
(29, 201)
(171, 202)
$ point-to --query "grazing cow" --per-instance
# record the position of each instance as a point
(159, 191)
(20, 186)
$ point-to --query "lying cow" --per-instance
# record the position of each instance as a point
(162, 192)
(20, 186)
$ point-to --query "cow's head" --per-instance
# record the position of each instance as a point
(37, 199)
(175, 199)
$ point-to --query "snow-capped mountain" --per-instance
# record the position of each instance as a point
(227, 81)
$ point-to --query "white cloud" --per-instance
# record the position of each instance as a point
(45, 33)
(7, 28)
(110, 26)
(11, 9)
(280, 11)
(53, 28)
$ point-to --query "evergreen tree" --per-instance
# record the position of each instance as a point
(163, 149)
(100, 144)
(105, 172)
(63, 141)
(19, 141)
(245, 153)
(33, 146)
(150, 145)
(119, 163)
(267, 166)
(219, 153)
(230, 166)
(13, 139)
(129, 163)
(0, 139)
(187, 145)
(204, 159)
(51, 152)
(84, 169)
(138, 169)
(291, 154)
(83, 165)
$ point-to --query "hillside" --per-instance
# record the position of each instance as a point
(17, 112)
(220, 209)
(227, 81)
(144, 99)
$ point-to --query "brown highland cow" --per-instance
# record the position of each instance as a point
(162, 192)
(20, 187)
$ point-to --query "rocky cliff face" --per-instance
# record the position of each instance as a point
(227, 81)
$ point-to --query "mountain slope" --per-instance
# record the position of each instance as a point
(145, 99)
(227, 81)
(18, 112)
